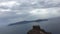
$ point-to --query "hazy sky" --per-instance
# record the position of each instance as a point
(18, 10)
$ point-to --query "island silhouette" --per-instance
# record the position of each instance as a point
(25, 22)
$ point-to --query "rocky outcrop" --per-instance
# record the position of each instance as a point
(37, 30)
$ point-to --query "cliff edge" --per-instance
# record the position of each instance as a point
(37, 30)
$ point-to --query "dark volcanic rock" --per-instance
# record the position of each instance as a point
(37, 30)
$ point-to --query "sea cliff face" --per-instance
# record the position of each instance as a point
(37, 30)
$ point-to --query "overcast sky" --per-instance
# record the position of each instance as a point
(19, 10)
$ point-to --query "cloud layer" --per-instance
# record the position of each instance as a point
(18, 10)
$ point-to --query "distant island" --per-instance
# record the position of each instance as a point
(24, 22)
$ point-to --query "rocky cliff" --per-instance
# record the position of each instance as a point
(37, 30)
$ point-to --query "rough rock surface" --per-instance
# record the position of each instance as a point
(37, 30)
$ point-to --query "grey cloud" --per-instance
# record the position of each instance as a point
(38, 4)
(42, 4)
(25, 7)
